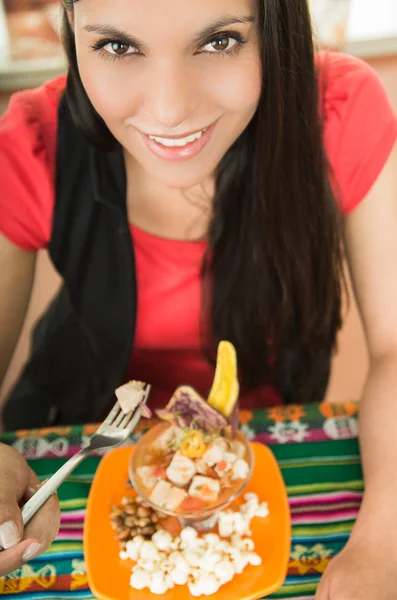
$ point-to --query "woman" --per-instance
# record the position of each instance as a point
(188, 180)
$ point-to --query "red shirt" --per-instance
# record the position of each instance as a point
(360, 131)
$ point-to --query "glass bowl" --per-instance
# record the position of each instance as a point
(204, 519)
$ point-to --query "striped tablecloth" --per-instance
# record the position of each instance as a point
(317, 450)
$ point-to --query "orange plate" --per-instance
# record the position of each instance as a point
(109, 576)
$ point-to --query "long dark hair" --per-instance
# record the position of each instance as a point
(273, 276)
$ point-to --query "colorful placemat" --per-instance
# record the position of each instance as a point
(315, 445)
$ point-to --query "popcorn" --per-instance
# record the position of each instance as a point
(149, 551)
(226, 523)
(140, 579)
(211, 539)
(132, 549)
(203, 563)
(188, 535)
(262, 510)
(206, 585)
(224, 571)
(245, 544)
(158, 584)
(241, 524)
(162, 539)
(174, 545)
(149, 565)
(178, 559)
(230, 522)
(210, 560)
(254, 559)
(179, 576)
(251, 497)
(194, 557)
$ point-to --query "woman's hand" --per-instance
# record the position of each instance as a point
(366, 569)
(17, 483)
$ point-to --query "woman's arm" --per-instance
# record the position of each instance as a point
(371, 244)
(16, 279)
(366, 569)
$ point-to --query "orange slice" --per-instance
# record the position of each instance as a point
(225, 388)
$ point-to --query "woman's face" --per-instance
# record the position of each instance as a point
(176, 81)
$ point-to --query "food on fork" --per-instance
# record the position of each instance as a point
(131, 395)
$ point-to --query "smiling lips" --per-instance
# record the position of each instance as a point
(178, 148)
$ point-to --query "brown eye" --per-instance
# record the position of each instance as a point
(221, 43)
(119, 48)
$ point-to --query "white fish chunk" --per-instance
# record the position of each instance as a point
(223, 468)
(146, 475)
(204, 488)
(130, 395)
(181, 470)
(230, 457)
(213, 455)
(167, 496)
(240, 469)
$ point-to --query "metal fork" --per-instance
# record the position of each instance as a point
(116, 428)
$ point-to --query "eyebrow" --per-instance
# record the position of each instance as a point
(224, 22)
(113, 32)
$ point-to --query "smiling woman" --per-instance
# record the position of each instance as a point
(189, 179)
(202, 99)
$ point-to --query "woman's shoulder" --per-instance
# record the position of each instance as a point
(32, 115)
(342, 70)
(360, 124)
(348, 85)
(28, 132)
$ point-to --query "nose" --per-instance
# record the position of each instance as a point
(171, 97)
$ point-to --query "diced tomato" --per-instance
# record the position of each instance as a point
(192, 505)
(160, 472)
(221, 466)
(211, 472)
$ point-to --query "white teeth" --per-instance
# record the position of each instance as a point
(173, 143)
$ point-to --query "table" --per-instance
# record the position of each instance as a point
(315, 445)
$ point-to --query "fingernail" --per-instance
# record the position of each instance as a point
(9, 535)
(32, 551)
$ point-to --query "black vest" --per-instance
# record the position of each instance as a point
(82, 346)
